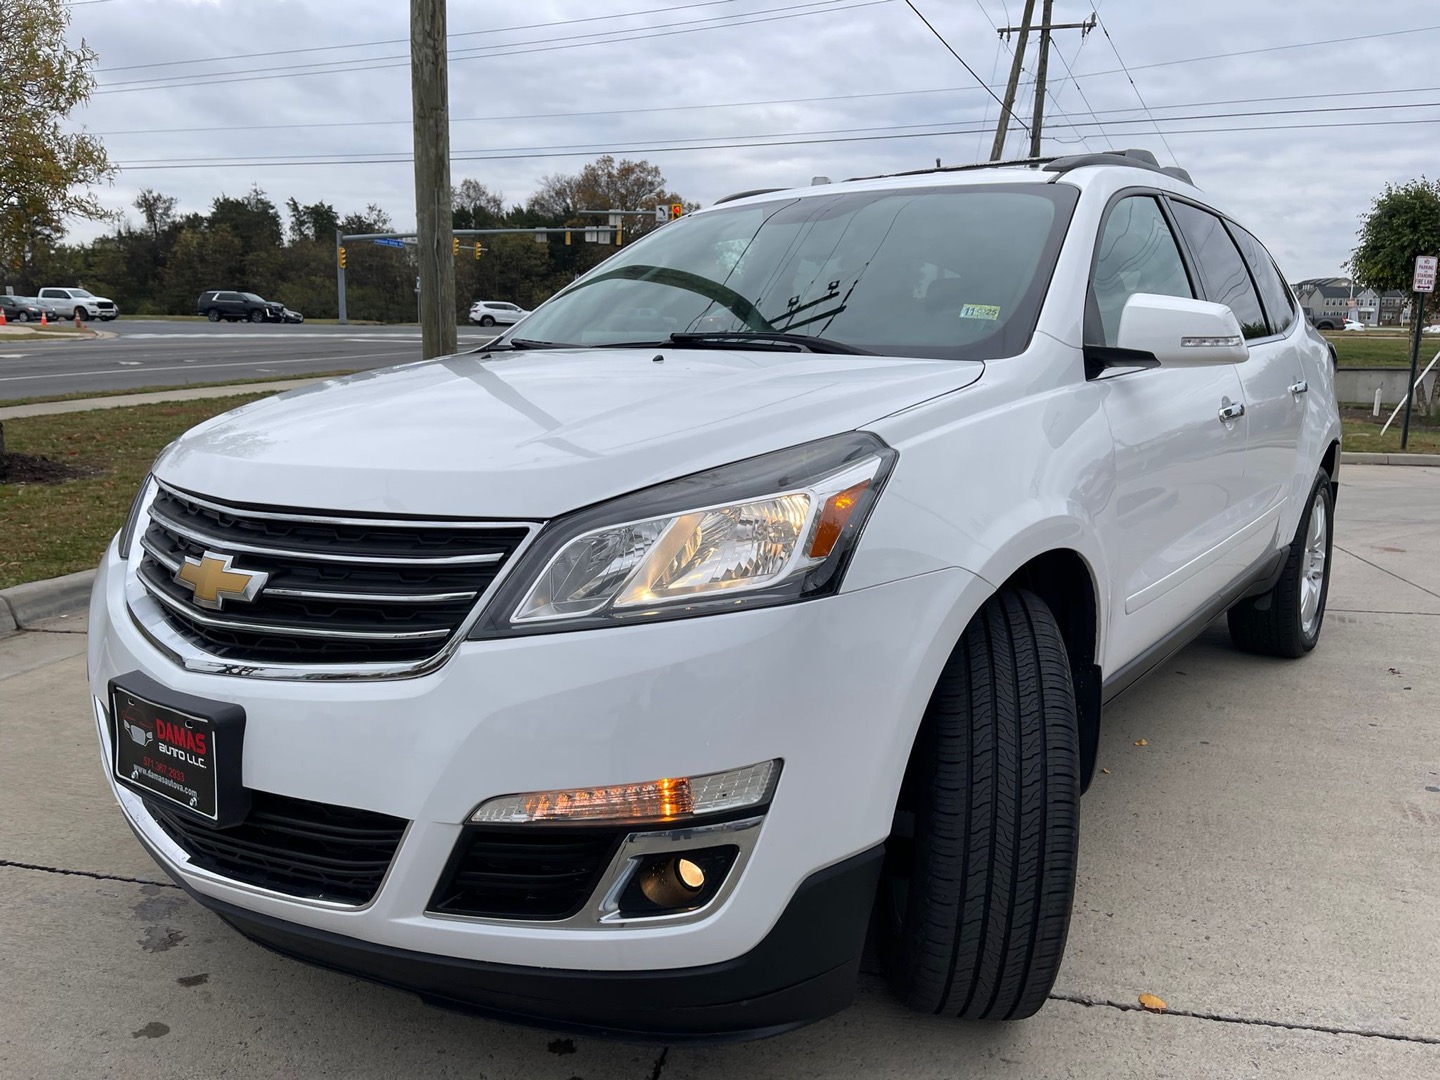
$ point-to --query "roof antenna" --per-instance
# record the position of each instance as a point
(937, 163)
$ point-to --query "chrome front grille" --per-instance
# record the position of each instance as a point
(338, 589)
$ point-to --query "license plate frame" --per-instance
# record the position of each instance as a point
(183, 751)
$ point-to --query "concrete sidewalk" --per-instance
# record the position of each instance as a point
(1266, 863)
(118, 401)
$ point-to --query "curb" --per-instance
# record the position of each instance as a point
(21, 606)
(1362, 458)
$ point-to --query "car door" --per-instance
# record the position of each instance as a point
(1178, 463)
(230, 304)
(1272, 368)
(1275, 381)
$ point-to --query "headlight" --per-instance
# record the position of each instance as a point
(772, 529)
(127, 531)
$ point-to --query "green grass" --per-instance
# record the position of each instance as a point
(1374, 348)
(202, 318)
(1362, 434)
(82, 395)
(52, 529)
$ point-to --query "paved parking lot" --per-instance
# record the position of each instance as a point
(1266, 863)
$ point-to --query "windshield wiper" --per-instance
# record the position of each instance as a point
(804, 342)
(517, 344)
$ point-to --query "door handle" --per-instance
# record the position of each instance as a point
(1232, 412)
(1299, 388)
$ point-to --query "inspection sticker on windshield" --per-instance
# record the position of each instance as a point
(980, 311)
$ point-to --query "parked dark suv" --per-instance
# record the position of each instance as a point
(218, 304)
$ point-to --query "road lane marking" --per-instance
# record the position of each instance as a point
(182, 367)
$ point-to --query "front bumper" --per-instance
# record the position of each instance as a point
(834, 688)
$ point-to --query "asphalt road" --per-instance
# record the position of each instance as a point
(151, 354)
(1266, 863)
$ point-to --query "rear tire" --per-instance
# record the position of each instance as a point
(974, 908)
(213, 314)
(486, 320)
(1286, 621)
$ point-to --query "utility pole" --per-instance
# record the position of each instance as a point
(430, 104)
(1007, 109)
(1046, 28)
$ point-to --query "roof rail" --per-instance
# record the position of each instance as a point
(747, 194)
(1136, 159)
(1030, 161)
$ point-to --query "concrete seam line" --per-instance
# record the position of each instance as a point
(8, 864)
(1380, 457)
(1222, 1018)
(1382, 569)
(7, 616)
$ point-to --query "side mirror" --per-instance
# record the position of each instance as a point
(1181, 332)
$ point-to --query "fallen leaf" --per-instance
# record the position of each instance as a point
(1105, 771)
(1141, 742)
(1152, 1003)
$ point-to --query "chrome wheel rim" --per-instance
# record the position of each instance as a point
(1312, 574)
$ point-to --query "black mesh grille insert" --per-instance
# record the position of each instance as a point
(528, 872)
(337, 590)
(295, 846)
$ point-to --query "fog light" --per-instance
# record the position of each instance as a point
(669, 799)
(668, 884)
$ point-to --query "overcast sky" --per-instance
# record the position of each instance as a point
(869, 69)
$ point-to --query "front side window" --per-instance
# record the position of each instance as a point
(1138, 254)
(1222, 270)
(951, 273)
(1278, 305)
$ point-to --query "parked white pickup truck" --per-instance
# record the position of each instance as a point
(67, 301)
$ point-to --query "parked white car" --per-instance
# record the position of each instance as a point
(1352, 324)
(624, 683)
(496, 312)
(1432, 329)
(67, 301)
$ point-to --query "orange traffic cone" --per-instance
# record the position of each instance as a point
(79, 322)
(43, 321)
(2, 316)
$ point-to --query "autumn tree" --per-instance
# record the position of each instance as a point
(1403, 222)
(604, 184)
(46, 173)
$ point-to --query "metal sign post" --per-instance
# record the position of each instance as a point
(1423, 283)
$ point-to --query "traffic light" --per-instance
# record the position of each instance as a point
(677, 210)
(567, 237)
(456, 249)
(341, 254)
(478, 250)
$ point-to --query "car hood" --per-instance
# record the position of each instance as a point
(540, 433)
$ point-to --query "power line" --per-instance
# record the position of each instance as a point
(798, 137)
(406, 40)
(753, 104)
(1006, 43)
(1106, 30)
(286, 71)
(1069, 71)
(787, 142)
(940, 37)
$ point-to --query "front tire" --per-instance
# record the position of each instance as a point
(257, 316)
(974, 907)
(1286, 621)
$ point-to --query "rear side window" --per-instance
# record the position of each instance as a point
(1222, 270)
(1138, 254)
(1278, 305)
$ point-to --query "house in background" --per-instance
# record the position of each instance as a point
(1383, 309)
(1327, 301)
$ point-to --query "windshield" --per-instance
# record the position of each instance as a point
(955, 273)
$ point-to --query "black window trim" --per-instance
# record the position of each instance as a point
(1187, 253)
(1102, 353)
(1275, 335)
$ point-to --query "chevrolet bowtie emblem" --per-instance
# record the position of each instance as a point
(214, 579)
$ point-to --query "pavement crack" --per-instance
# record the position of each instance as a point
(1222, 1018)
(659, 1063)
(85, 873)
(1382, 569)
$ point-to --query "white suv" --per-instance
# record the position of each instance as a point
(623, 680)
(491, 312)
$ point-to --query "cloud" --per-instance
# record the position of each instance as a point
(1298, 185)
